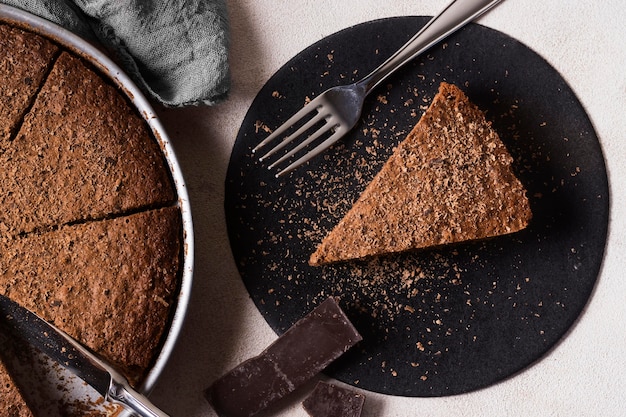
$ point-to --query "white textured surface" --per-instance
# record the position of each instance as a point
(584, 375)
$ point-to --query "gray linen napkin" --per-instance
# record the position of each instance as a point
(176, 50)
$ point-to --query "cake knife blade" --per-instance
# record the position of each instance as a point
(21, 323)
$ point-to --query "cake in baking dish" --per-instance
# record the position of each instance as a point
(450, 180)
(108, 283)
(25, 59)
(90, 227)
(80, 153)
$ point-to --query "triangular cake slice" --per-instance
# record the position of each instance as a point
(81, 153)
(449, 181)
(25, 59)
(11, 400)
(110, 284)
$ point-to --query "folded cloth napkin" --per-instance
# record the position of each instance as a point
(176, 50)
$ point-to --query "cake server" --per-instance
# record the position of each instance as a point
(19, 322)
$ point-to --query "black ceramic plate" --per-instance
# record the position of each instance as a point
(435, 322)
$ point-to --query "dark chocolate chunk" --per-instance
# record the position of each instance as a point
(329, 400)
(304, 350)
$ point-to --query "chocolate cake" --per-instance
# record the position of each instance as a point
(124, 269)
(450, 180)
(25, 59)
(90, 227)
(80, 131)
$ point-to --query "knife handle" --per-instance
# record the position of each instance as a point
(125, 395)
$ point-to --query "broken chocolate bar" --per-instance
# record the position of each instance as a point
(329, 400)
(304, 350)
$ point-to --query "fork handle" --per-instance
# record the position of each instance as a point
(456, 15)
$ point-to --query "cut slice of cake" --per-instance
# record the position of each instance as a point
(25, 59)
(81, 153)
(449, 181)
(110, 284)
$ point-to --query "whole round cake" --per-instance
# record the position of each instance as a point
(90, 225)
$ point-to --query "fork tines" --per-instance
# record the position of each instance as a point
(321, 124)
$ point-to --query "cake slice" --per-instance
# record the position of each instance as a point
(11, 400)
(81, 153)
(449, 181)
(110, 284)
(25, 59)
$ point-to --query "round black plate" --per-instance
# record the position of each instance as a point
(435, 322)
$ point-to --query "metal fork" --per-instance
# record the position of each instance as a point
(338, 109)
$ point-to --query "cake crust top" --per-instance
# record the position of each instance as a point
(450, 180)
